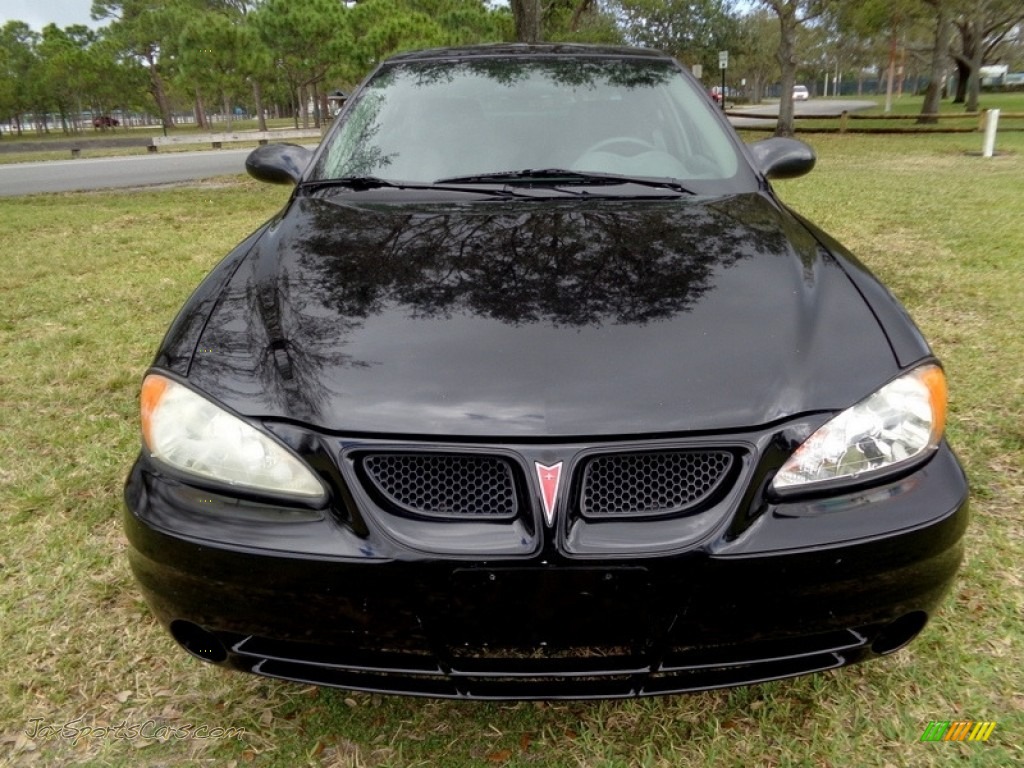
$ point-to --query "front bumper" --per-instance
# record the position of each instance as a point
(302, 595)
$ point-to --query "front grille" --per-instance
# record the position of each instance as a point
(444, 485)
(651, 484)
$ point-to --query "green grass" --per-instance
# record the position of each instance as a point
(88, 284)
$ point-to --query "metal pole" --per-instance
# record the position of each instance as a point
(723, 89)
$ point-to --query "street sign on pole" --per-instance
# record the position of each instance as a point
(723, 64)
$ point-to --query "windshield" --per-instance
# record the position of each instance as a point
(427, 121)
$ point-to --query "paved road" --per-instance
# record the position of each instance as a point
(809, 107)
(110, 172)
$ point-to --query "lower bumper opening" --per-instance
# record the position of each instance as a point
(202, 644)
(900, 632)
(526, 674)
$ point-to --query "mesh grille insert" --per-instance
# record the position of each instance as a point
(659, 483)
(444, 485)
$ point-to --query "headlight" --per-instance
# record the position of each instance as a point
(899, 423)
(192, 434)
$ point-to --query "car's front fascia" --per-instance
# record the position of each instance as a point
(548, 598)
(353, 595)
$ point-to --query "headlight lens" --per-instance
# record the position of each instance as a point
(192, 434)
(897, 424)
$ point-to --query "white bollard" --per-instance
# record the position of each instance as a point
(991, 123)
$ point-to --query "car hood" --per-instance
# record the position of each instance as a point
(539, 319)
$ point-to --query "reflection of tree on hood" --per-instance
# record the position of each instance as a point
(329, 267)
(612, 264)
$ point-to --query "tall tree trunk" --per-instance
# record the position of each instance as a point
(325, 108)
(156, 87)
(292, 108)
(970, 44)
(890, 74)
(901, 71)
(257, 97)
(227, 109)
(937, 71)
(317, 111)
(976, 60)
(527, 15)
(304, 106)
(963, 76)
(582, 7)
(200, 111)
(787, 62)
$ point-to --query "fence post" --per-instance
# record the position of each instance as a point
(991, 125)
(843, 121)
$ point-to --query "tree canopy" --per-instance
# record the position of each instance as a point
(169, 57)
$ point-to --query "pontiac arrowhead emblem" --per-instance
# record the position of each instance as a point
(549, 477)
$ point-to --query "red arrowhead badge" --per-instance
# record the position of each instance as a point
(549, 477)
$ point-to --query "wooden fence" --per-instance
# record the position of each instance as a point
(218, 140)
(847, 122)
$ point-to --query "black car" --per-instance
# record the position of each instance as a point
(535, 389)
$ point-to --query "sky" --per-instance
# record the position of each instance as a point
(38, 13)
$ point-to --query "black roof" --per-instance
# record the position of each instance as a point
(528, 49)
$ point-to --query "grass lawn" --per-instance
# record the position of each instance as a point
(89, 283)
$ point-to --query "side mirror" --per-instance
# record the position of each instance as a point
(779, 158)
(278, 163)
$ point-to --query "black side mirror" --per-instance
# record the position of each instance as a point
(278, 163)
(779, 158)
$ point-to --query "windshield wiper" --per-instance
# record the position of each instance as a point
(359, 183)
(503, 183)
(563, 176)
(363, 183)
